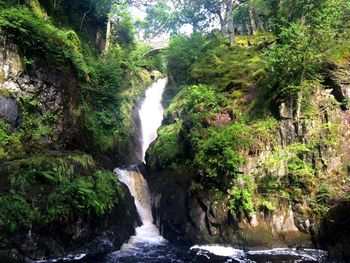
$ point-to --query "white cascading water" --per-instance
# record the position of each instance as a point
(151, 115)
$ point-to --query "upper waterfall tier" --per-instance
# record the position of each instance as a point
(151, 114)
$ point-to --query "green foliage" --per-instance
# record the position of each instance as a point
(39, 38)
(266, 205)
(241, 196)
(195, 99)
(10, 143)
(31, 136)
(101, 116)
(108, 118)
(201, 96)
(216, 155)
(216, 150)
(5, 93)
(166, 149)
(58, 189)
(181, 54)
(304, 43)
(83, 160)
(16, 213)
(50, 187)
(93, 195)
(36, 8)
(300, 180)
(35, 124)
(239, 67)
(160, 18)
(4, 133)
(125, 32)
(49, 171)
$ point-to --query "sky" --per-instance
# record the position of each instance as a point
(137, 13)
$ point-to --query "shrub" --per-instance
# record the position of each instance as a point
(93, 195)
(217, 154)
(241, 196)
(37, 37)
(16, 214)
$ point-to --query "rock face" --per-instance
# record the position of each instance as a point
(9, 110)
(335, 233)
(10, 63)
(199, 216)
(48, 88)
(55, 93)
(132, 153)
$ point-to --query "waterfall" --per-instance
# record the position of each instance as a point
(151, 115)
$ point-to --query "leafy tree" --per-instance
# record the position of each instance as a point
(169, 16)
(182, 53)
(305, 34)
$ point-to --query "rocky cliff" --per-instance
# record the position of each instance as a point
(60, 132)
(290, 174)
(52, 93)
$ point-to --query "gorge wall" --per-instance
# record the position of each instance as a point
(279, 181)
(62, 130)
(52, 93)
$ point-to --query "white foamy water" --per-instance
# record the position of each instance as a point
(148, 232)
(299, 255)
(220, 250)
(151, 113)
(151, 116)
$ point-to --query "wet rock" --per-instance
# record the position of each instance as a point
(10, 111)
(200, 218)
(334, 232)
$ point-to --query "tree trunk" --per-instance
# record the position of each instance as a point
(108, 32)
(222, 24)
(253, 27)
(229, 19)
(82, 20)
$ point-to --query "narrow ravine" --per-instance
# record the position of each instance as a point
(148, 245)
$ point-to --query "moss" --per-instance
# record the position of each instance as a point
(166, 149)
(42, 187)
(240, 67)
(265, 237)
(5, 93)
